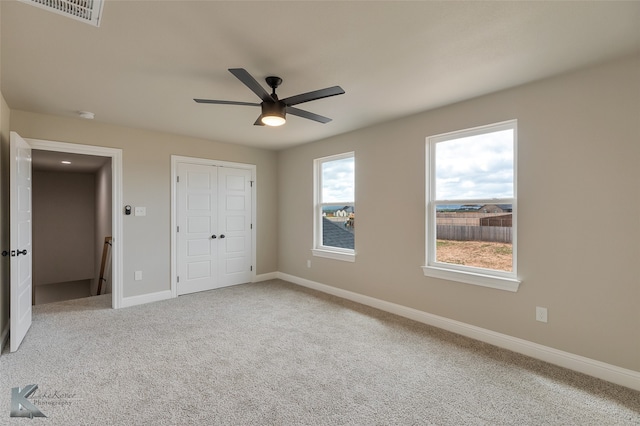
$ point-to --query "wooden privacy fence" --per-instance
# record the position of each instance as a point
(499, 234)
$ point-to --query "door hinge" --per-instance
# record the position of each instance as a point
(251, 227)
(178, 278)
(251, 268)
(177, 178)
(177, 229)
(251, 183)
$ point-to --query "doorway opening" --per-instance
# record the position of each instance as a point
(107, 196)
(72, 208)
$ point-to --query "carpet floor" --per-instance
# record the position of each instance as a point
(273, 353)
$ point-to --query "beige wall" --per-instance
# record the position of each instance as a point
(147, 182)
(579, 145)
(63, 227)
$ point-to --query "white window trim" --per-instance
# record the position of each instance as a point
(319, 250)
(501, 280)
(335, 254)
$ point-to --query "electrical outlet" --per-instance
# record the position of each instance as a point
(541, 314)
(138, 276)
(308, 263)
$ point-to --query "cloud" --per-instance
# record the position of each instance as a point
(338, 180)
(475, 167)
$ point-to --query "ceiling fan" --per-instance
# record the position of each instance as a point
(274, 110)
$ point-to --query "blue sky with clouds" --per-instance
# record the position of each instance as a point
(475, 167)
(338, 180)
(468, 168)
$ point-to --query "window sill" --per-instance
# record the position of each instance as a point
(335, 255)
(491, 281)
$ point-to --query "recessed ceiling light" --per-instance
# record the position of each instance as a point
(66, 162)
(86, 114)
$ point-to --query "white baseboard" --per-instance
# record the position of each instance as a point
(146, 298)
(265, 277)
(591, 367)
(167, 294)
(4, 337)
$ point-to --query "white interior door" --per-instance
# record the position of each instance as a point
(214, 238)
(197, 194)
(234, 207)
(20, 236)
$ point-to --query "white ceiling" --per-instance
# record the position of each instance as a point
(148, 60)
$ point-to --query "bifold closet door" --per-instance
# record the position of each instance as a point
(214, 227)
(234, 224)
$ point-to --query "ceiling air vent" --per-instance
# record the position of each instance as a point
(88, 11)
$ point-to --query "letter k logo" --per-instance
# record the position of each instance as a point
(21, 406)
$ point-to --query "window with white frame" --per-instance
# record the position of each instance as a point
(471, 206)
(334, 211)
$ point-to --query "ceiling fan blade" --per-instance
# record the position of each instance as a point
(212, 101)
(259, 121)
(251, 83)
(312, 96)
(307, 114)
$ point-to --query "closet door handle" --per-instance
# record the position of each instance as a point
(221, 235)
(213, 237)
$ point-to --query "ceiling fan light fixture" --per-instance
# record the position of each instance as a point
(273, 120)
(273, 109)
(273, 114)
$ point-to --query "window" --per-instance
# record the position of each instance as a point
(334, 212)
(471, 206)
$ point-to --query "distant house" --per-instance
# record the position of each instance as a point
(343, 212)
(348, 209)
(505, 207)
